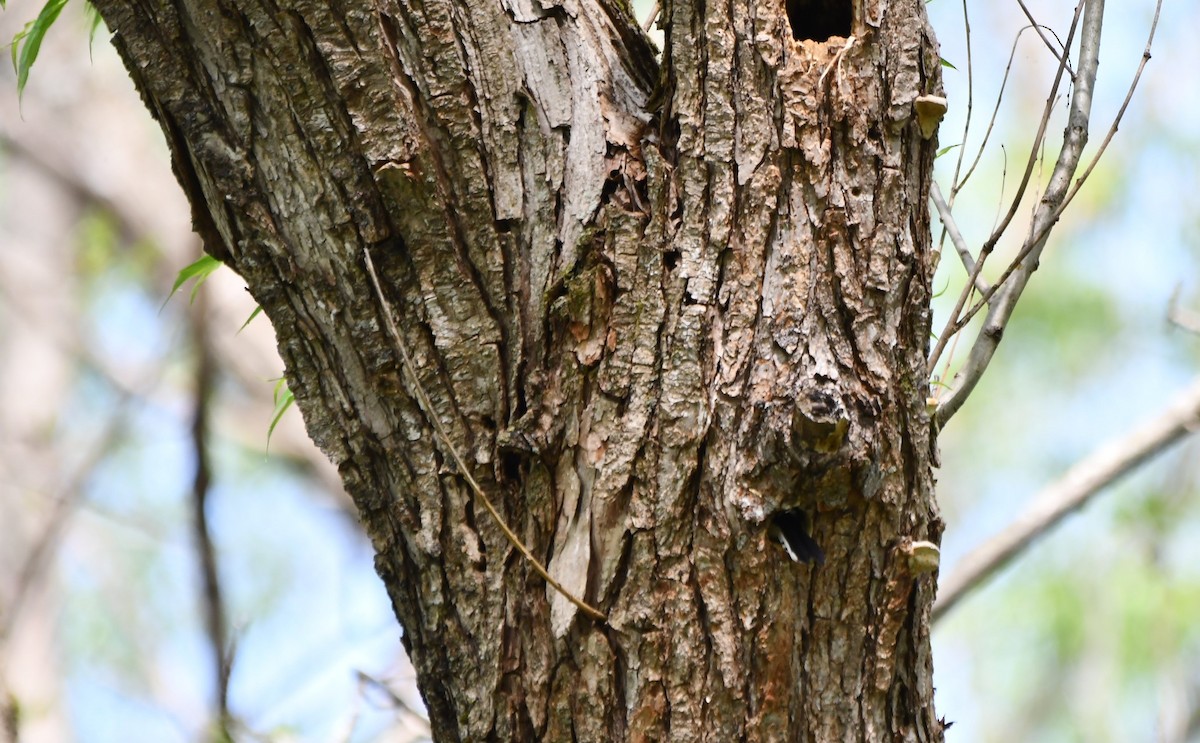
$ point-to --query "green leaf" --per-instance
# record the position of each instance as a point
(198, 271)
(93, 20)
(29, 40)
(283, 400)
(946, 63)
(253, 315)
(944, 150)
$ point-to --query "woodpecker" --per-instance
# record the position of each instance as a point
(791, 529)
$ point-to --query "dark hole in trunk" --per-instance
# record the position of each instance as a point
(817, 20)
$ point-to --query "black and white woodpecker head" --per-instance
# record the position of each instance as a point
(791, 528)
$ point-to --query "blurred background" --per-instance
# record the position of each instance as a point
(1091, 635)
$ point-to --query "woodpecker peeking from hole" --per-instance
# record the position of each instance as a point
(791, 529)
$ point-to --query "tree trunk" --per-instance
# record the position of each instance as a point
(652, 302)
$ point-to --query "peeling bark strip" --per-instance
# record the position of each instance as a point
(423, 399)
(653, 304)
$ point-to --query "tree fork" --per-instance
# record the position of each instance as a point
(652, 305)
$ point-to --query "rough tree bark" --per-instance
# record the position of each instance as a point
(653, 301)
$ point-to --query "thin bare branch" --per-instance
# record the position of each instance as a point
(1007, 290)
(651, 16)
(1000, 229)
(212, 595)
(970, 105)
(956, 237)
(1112, 130)
(1048, 224)
(392, 700)
(431, 413)
(1038, 28)
(1081, 482)
(1047, 110)
(395, 701)
(1050, 208)
(959, 184)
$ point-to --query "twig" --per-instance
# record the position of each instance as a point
(394, 701)
(960, 184)
(1008, 288)
(1080, 483)
(1086, 7)
(214, 604)
(956, 237)
(953, 322)
(970, 108)
(431, 413)
(1038, 28)
(397, 703)
(1050, 208)
(646, 24)
(1112, 130)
